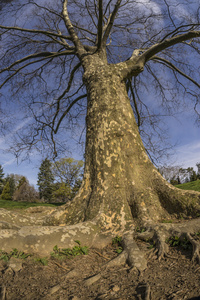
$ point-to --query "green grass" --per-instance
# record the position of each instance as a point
(194, 185)
(22, 205)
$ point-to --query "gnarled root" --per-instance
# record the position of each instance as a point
(159, 233)
(143, 291)
(135, 257)
(195, 246)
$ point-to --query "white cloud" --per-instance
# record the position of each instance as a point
(189, 154)
(9, 162)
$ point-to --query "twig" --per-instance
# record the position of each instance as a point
(3, 293)
(101, 254)
(59, 265)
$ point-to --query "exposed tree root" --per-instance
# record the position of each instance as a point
(135, 257)
(144, 292)
(3, 293)
(196, 247)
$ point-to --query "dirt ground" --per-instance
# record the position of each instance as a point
(175, 277)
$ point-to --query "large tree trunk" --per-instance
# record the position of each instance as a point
(120, 184)
(121, 187)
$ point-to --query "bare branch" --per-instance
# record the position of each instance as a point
(90, 14)
(65, 91)
(47, 9)
(44, 55)
(84, 29)
(178, 30)
(47, 33)
(74, 37)
(100, 24)
(67, 110)
(172, 66)
(110, 23)
(153, 50)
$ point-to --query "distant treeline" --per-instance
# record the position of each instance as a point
(58, 182)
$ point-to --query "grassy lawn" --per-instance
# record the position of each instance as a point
(194, 185)
(20, 205)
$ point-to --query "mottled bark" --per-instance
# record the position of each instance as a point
(121, 186)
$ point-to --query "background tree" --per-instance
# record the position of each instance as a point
(115, 53)
(45, 180)
(21, 181)
(68, 172)
(193, 176)
(25, 192)
(173, 173)
(1, 179)
(62, 193)
(169, 172)
(12, 183)
(6, 193)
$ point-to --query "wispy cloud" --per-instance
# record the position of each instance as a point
(189, 154)
(5, 139)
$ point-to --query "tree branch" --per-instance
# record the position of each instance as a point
(110, 23)
(74, 37)
(47, 9)
(100, 24)
(44, 55)
(172, 66)
(47, 33)
(177, 30)
(65, 91)
(19, 69)
(67, 110)
(153, 50)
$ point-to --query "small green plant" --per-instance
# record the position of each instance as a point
(151, 244)
(42, 260)
(140, 229)
(117, 243)
(69, 252)
(116, 240)
(166, 221)
(6, 256)
(175, 241)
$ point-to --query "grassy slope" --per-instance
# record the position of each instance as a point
(194, 185)
(13, 205)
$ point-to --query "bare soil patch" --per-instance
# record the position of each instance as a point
(174, 277)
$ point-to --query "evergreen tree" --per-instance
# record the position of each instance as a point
(6, 193)
(45, 180)
(11, 179)
(193, 176)
(1, 179)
